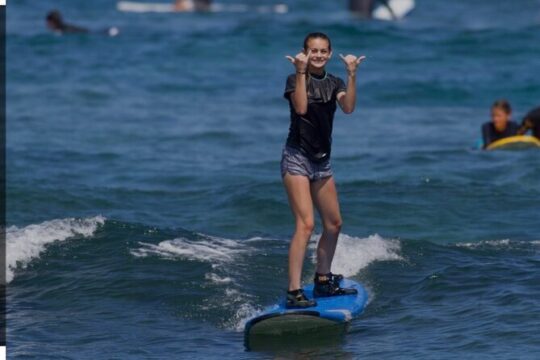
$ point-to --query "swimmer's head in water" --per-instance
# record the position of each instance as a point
(54, 20)
(202, 4)
(501, 111)
(321, 49)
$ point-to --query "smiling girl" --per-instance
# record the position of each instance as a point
(305, 164)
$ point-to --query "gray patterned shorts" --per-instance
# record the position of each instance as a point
(296, 163)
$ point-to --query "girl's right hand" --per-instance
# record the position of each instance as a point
(300, 61)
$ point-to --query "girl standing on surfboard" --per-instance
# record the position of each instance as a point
(305, 164)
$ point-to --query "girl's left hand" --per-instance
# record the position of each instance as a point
(352, 62)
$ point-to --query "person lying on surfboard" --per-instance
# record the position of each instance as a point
(192, 5)
(56, 23)
(365, 8)
(312, 93)
(531, 121)
(500, 126)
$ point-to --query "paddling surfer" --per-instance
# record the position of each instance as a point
(500, 126)
(55, 22)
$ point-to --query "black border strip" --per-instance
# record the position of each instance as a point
(3, 176)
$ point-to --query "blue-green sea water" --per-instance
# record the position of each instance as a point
(146, 215)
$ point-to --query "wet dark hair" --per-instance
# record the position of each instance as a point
(502, 104)
(317, 35)
(55, 17)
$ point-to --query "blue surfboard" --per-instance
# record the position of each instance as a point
(277, 320)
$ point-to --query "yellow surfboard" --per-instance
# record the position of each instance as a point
(515, 142)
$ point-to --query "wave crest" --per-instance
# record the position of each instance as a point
(27, 243)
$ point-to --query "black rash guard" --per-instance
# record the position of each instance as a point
(311, 133)
(532, 121)
(490, 134)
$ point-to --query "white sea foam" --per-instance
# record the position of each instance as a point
(209, 249)
(495, 243)
(354, 253)
(244, 313)
(216, 279)
(113, 31)
(222, 254)
(27, 243)
(501, 244)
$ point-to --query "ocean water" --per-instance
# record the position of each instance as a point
(146, 215)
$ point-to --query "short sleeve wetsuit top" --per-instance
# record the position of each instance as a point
(532, 121)
(311, 133)
(490, 134)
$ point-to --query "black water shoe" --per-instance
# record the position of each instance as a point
(296, 299)
(328, 285)
(336, 278)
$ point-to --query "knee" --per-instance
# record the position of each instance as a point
(334, 226)
(305, 226)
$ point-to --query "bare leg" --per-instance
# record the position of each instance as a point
(297, 187)
(324, 196)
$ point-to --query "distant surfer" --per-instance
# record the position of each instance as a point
(531, 121)
(365, 8)
(305, 165)
(192, 5)
(500, 126)
(55, 22)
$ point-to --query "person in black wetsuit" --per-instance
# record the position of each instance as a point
(365, 8)
(56, 23)
(500, 126)
(313, 95)
(531, 121)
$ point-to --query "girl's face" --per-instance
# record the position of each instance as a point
(320, 52)
(500, 118)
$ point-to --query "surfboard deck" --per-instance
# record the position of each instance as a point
(515, 143)
(400, 9)
(143, 7)
(277, 320)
